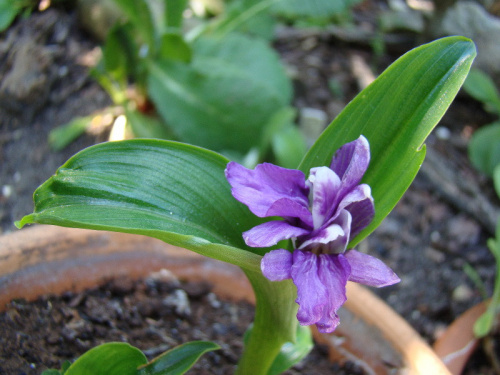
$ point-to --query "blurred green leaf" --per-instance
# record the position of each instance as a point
(63, 135)
(481, 87)
(174, 47)
(496, 179)
(114, 358)
(178, 360)
(9, 9)
(246, 16)
(174, 10)
(174, 192)
(396, 113)
(140, 15)
(483, 324)
(316, 8)
(120, 54)
(144, 126)
(223, 100)
(238, 53)
(289, 147)
(484, 148)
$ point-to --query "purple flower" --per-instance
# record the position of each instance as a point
(320, 215)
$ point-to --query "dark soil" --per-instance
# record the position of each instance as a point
(153, 315)
(427, 239)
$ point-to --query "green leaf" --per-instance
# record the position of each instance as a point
(316, 8)
(167, 190)
(9, 9)
(120, 54)
(63, 135)
(496, 180)
(396, 113)
(245, 16)
(139, 14)
(51, 372)
(290, 353)
(173, 12)
(224, 99)
(144, 126)
(484, 148)
(481, 87)
(173, 46)
(178, 360)
(483, 324)
(293, 353)
(114, 358)
(248, 56)
(289, 146)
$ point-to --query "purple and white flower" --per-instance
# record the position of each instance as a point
(320, 215)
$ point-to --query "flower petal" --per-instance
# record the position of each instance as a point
(369, 270)
(325, 186)
(351, 161)
(276, 265)
(287, 209)
(260, 188)
(332, 239)
(359, 202)
(270, 233)
(320, 281)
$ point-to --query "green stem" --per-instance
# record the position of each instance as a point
(275, 324)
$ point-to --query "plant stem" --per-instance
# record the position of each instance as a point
(274, 325)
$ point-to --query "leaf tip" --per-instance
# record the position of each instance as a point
(28, 219)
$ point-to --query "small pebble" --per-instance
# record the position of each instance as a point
(7, 191)
(462, 293)
(179, 301)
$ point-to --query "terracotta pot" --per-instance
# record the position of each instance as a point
(46, 259)
(457, 343)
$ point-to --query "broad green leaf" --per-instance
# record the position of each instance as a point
(218, 102)
(481, 87)
(396, 113)
(484, 148)
(250, 57)
(178, 360)
(114, 358)
(167, 190)
(63, 135)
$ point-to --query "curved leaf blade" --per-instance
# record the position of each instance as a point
(178, 360)
(114, 358)
(396, 113)
(171, 191)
